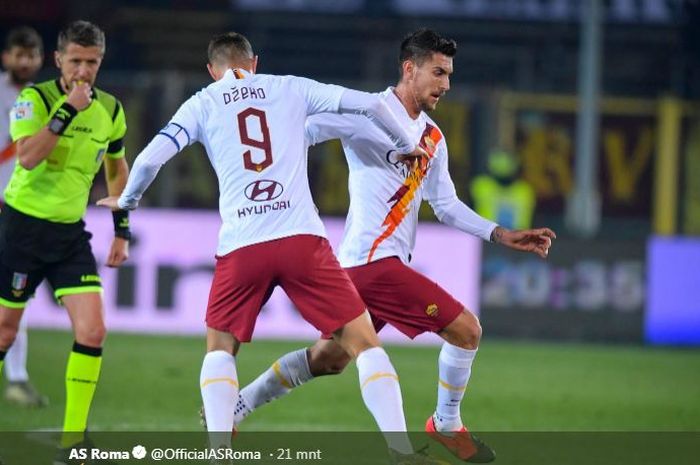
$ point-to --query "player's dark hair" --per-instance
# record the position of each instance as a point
(230, 47)
(420, 45)
(24, 37)
(83, 33)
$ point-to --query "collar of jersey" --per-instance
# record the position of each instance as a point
(238, 73)
(395, 104)
(57, 81)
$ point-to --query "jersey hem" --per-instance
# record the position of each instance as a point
(225, 251)
(40, 217)
(351, 263)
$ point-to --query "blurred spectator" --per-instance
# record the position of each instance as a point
(22, 58)
(501, 195)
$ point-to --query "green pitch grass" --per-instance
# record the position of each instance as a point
(151, 384)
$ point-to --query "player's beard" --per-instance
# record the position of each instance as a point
(20, 79)
(427, 104)
(422, 103)
(426, 107)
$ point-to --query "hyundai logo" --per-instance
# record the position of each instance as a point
(263, 190)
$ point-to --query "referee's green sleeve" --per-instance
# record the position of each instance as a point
(28, 114)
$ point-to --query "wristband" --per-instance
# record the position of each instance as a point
(121, 224)
(62, 118)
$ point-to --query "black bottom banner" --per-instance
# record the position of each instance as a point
(512, 448)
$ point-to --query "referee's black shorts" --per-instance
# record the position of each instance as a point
(32, 249)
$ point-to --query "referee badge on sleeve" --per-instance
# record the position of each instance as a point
(19, 282)
(100, 156)
(22, 110)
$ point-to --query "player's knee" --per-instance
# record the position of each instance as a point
(8, 333)
(92, 335)
(356, 346)
(465, 331)
(324, 362)
(357, 336)
(222, 341)
(471, 335)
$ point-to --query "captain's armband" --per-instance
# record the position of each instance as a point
(177, 134)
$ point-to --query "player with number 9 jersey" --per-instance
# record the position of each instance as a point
(252, 128)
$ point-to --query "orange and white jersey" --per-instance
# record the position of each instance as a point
(8, 95)
(385, 195)
(252, 127)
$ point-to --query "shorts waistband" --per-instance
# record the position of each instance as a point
(9, 212)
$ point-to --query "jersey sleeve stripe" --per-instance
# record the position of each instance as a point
(115, 146)
(43, 98)
(171, 138)
(116, 110)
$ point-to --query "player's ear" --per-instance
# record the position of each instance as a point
(408, 69)
(57, 58)
(254, 65)
(212, 72)
(413, 68)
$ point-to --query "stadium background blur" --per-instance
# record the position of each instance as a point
(569, 344)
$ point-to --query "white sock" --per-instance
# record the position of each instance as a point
(290, 371)
(382, 395)
(219, 385)
(16, 358)
(455, 366)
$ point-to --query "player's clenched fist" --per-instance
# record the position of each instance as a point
(80, 96)
(118, 252)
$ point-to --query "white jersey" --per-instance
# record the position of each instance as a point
(252, 126)
(385, 195)
(8, 95)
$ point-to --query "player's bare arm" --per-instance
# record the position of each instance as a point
(32, 150)
(116, 174)
(537, 241)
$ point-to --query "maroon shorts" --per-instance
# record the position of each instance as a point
(397, 294)
(303, 265)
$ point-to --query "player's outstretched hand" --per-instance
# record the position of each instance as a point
(118, 253)
(537, 241)
(409, 159)
(109, 202)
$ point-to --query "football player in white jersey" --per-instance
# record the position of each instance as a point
(252, 126)
(385, 196)
(22, 58)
